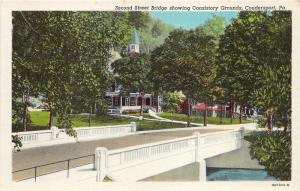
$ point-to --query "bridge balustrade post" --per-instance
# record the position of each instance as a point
(239, 137)
(100, 164)
(202, 170)
(197, 146)
(199, 159)
(242, 130)
(133, 127)
(55, 132)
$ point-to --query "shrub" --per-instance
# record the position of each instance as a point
(262, 122)
(273, 150)
(16, 139)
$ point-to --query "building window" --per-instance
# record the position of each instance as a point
(109, 101)
(133, 46)
(139, 101)
(123, 101)
(147, 101)
(116, 101)
(127, 101)
(132, 101)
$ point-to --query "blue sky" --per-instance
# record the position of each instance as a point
(189, 20)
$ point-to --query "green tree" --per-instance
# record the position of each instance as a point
(273, 150)
(132, 73)
(255, 61)
(152, 31)
(64, 55)
(237, 60)
(186, 62)
(274, 92)
(172, 101)
(138, 19)
(214, 27)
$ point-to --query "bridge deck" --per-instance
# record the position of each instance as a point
(42, 155)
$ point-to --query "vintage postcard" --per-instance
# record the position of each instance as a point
(132, 95)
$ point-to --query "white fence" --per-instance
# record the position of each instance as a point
(34, 136)
(105, 131)
(55, 133)
(142, 161)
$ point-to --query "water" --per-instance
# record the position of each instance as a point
(214, 174)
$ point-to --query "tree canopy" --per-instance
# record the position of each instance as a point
(255, 61)
(132, 73)
(63, 56)
(185, 62)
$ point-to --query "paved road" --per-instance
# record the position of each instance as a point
(43, 155)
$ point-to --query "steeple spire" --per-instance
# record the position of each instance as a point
(133, 46)
(135, 38)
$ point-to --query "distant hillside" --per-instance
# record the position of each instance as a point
(153, 34)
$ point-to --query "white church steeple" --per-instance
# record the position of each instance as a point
(134, 45)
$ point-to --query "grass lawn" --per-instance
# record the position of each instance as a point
(146, 115)
(83, 120)
(107, 179)
(198, 119)
(40, 120)
(145, 125)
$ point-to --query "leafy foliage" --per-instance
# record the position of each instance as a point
(63, 56)
(153, 34)
(254, 60)
(185, 62)
(16, 139)
(214, 27)
(172, 101)
(262, 122)
(132, 73)
(273, 150)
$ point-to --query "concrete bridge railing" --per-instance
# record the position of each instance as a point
(142, 161)
(58, 134)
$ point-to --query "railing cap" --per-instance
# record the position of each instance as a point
(31, 132)
(100, 127)
(196, 133)
(99, 149)
(135, 147)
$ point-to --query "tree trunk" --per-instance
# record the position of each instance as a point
(173, 116)
(205, 112)
(142, 103)
(157, 104)
(189, 112)
(269, 121)
(285, 127)
(221, 119)
(231, 111)
(50, 124)
(90, 117)
(25, 109)
(241, 114)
